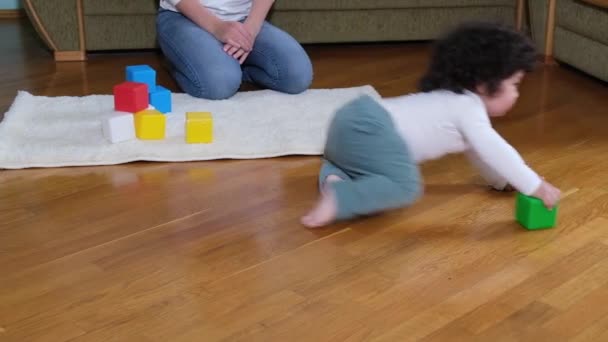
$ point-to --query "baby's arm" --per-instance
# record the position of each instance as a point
(499, 161)
(493, 178)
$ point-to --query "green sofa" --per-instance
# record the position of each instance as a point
(71, 28)
(580, 36)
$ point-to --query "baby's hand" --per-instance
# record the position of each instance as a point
(548, 194)
(506, 188)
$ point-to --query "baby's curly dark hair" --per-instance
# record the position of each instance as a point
(477, 53)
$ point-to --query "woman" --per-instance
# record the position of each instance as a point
(214, 45)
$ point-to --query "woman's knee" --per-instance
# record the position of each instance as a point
(298, 75)
(287, 59)
(216, 84)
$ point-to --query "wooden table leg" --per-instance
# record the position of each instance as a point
(549, 32)
(519, 19)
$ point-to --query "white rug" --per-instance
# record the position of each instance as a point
(42, 131)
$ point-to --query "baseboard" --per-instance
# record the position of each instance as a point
(70, 56)
(11, 13)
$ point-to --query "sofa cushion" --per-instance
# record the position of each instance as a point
(118, 32)
(598, 3)
(381, 24)
(120, 7)
(581, 52)
(583, 19)
(383, 4)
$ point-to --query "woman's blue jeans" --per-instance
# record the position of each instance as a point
(202, 68)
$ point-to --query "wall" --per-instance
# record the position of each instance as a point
(10, 4)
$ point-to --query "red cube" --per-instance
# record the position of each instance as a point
(131, 97)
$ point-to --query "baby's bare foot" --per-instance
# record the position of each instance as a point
(326, 208)
(328, 180)
(323, 213)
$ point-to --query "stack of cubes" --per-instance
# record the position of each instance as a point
(141, 107)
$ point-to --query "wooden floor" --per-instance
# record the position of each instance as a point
(213, 251)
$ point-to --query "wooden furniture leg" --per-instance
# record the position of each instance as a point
(59, 54)
(519, 18)
(549, 32)
(79, 55)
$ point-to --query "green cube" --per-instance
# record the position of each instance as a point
(531, 213)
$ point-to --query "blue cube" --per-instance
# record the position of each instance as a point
(160, 98)
(142, 74)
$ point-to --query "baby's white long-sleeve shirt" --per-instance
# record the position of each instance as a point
(440, 122)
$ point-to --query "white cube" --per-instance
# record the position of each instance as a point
(119, 127)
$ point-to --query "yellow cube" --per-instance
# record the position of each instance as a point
(199, 127)
(150, 125)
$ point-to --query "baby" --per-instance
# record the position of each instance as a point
(373, 148)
